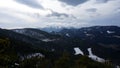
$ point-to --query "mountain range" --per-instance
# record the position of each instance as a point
(99, 43)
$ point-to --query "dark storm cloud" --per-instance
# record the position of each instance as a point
(57, 14)
(31, 3)
(102, 1)
(91, 10)
(73, 2)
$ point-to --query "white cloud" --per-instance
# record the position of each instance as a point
(13, 5)
(103, 9)
(55, 5)
(22, 15)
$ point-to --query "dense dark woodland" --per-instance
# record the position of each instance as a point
(57, 47)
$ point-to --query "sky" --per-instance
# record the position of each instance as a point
(58, 13)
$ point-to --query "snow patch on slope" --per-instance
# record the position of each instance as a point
(110, 32)
(117, 66)
(116, 36)
(78, 51)
(20, 31)
(67, 35)
(94, 57)
(16, 64)
(35, 55)
(47, 40)
(89, 35)
(32, 55)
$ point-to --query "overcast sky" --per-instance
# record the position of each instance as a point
(62, 13)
